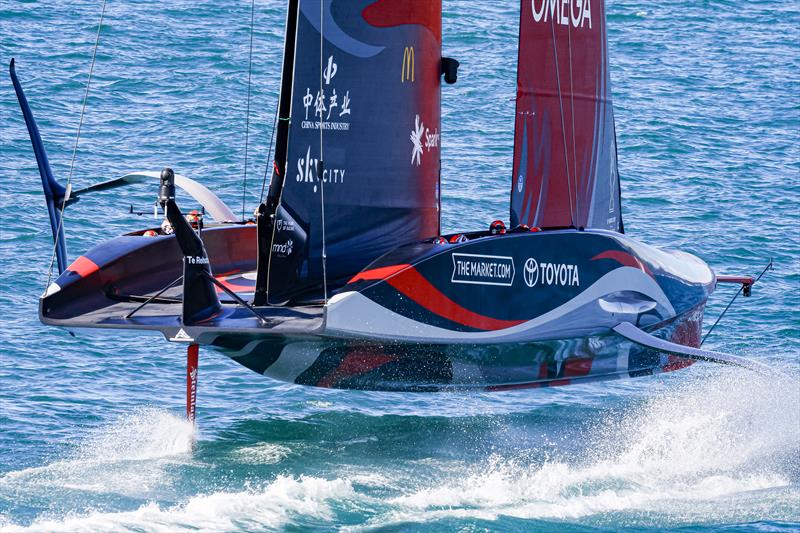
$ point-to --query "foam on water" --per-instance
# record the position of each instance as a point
(128, 456)
(691, 454)
(267, 508)
(263, 453)
(686, 454)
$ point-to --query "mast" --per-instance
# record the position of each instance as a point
(266, 211)
(565, 164)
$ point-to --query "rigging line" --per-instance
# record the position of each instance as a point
(247, 118)
(153, 297)
(269, 151)
(768, 267)
(75, 147)
(574, 144)
(563, 129)
(320, 167)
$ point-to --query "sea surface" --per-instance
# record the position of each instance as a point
(707, 99)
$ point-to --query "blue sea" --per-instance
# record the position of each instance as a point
(92, 436)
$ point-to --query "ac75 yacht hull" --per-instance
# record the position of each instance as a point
(503, 311)
(343, 278)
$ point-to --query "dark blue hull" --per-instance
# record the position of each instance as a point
(493, 312)
(413, 367)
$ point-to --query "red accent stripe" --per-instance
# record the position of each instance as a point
(624, 258)
(228, 273)
(235, 287)
(577, 366)
(378, 273)
(676, 363)
(83, 267)
(413, 285)
(390, 13)
(355, 364)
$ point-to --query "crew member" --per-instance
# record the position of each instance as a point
(497, 227)
(195, 219)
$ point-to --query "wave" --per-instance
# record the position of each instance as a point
(720, 447)
(269, 508)
(687, 455)
(262, 453)
(127, 456)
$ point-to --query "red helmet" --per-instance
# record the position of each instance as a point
(195, 219)
(458, 237)
(441, 240)
(497, 227)
(149, 233)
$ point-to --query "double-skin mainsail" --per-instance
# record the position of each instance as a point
(368, 74)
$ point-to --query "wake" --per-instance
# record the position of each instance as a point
(688, 455)
(722, 447)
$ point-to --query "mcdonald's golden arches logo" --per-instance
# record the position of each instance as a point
(407, 72)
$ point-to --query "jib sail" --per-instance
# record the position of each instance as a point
(372, 86)
(565, 153)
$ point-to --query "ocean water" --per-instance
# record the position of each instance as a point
(707, 99)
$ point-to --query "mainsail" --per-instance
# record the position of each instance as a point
(371, 84)
(565, 153)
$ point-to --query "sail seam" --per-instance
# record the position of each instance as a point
(574, 143)
(563, 128)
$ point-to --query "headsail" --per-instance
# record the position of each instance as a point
(565, 161)
(373, 86)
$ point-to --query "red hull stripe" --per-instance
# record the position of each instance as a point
(676, 363)
(414, 286)
(354, 364)
(624, 259)
(378, 273)
(83, 267)
(577, 367)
